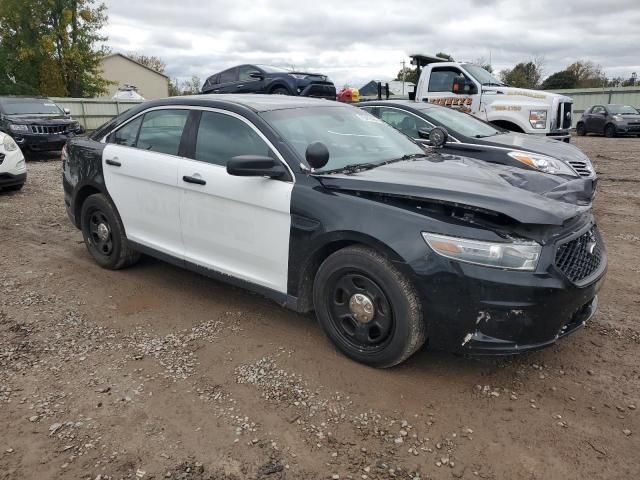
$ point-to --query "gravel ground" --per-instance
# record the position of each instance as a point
(155, 372)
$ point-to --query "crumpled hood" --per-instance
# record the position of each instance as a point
(544, 145)
(526, 196)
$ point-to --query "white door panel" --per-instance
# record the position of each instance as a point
(238, 226)
(145, 191)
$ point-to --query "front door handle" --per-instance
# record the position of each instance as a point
(113, 162)
(196, 180)
(240, 86)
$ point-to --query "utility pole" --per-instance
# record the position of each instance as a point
(404, 76)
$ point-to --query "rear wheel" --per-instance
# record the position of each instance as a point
(104, 235)
(368, 308)
(581, 130)
(280, 91)
(610, 131)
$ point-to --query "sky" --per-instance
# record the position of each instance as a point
(354, 41)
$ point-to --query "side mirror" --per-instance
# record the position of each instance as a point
(438, 136)
(458, 85)
(317, 155)
(424, 133)
(255, 166)
(256, 75)
(67, 111)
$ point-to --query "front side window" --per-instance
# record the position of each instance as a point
(406, 122)
(353, 136)
(598, 109)
(161, 131)
(441, 79)
(222, 137)
(244, 73)
(126, 135)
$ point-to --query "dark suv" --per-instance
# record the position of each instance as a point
(611, 120)
(37, 123)
(267, 79)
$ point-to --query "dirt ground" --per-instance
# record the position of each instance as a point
(156, 372)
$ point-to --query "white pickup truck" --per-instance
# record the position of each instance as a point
(474, 90)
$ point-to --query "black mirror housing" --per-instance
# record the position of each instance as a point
(423, 133)
(317, 155)
(256, 75)
(255, 166)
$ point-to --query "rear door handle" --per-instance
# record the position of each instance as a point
(196, 180)
(113, 162)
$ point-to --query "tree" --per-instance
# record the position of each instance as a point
(174, 87)
(150, 61)
(192, 87)
(410, 75)
(51, 46)
(559, 81)
(523, 75)
(587, 74)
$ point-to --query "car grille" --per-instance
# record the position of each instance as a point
(563, 118)
(48, 129)
(582, 168)
(581, 257)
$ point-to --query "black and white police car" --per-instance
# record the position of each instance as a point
(321, 206)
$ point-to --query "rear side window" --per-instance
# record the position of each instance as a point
(126, 135)
(221, 137)
(228, 76)
(161, 131)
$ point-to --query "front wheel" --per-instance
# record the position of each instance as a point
(581, 130)
(368, 308)
(280, 91)
(104, 235)
(610, 131)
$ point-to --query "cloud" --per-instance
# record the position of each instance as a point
(356, 41)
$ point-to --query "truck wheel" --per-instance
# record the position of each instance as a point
(368, 308)
(280, 91)
(104, 235)
(581, 130)
(610, 131)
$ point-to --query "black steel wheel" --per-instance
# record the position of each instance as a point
(610, 131)
(368, 308)
(581, 130)
(280, 91)
(104, 234)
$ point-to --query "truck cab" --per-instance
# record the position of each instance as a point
(472, 89)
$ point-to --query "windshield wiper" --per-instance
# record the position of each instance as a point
(360, 167)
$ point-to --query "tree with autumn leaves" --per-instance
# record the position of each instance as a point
(52, 47)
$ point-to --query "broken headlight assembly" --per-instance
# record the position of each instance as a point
(543, 163)
(509, 255)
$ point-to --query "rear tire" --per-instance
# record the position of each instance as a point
(610, 131)
(360, 282)
(581, 130)
(104, 234)
(280, 91)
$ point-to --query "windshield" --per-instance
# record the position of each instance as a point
(353, 137)
(481, 75)
(622, 110)
(270, 69)
(461, 123)
(31, 107)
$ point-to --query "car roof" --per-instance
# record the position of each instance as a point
(255, 102)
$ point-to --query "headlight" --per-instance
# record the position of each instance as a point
(298, 76)
(9, 144)
(538, 118)
(543, 163)
(18, 128)
(509, 256)
(618, 118)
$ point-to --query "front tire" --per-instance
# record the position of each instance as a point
(280, 91)
(581, 130)
(610, 131)
(104, 234)
(368, 308)
(14, 188)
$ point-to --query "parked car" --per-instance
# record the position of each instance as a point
(472, 137)
(37, 123)
(610, 120)
(321, 206)
(13, 168)
(272, 80)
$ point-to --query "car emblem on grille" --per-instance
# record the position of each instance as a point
(568, 115)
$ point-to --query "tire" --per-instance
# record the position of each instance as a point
(14, 188)
(384, 337)
(581, 130)
(280, 91)
(610, 131)
(104, 234)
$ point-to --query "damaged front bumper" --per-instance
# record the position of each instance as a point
(478, 310)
